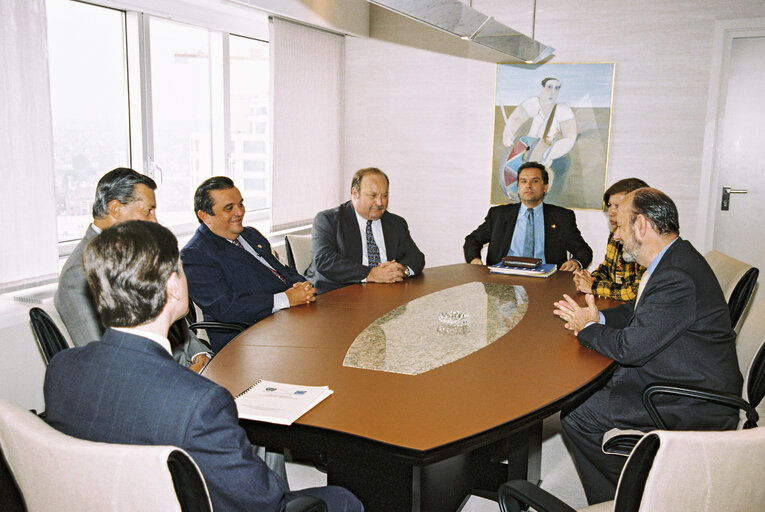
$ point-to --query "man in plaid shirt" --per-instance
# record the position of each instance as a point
(614, 278)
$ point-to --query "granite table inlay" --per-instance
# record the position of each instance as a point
(411, 340)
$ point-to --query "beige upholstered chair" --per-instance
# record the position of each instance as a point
(737, 280)
(298, 251)
(56, 472)
(674, 471)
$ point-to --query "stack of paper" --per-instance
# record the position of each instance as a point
(543, 270)
(275, 402)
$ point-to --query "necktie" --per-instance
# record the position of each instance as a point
(237, 243)
(373, 252)
(641, 286)
(528, 241)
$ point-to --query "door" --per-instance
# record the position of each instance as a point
(740, 154)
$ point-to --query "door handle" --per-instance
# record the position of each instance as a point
(727, 191)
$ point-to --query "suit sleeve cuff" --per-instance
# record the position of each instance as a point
(280, 302)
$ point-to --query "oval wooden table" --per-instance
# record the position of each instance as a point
(417, 442)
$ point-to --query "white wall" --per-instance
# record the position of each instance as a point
(425, 116)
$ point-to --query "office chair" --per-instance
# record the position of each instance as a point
(49, 338)
(737, 280)
(750, 349)
(54, 471)
(671, 471)
(194, 325)
(45, 470)
(298, 248)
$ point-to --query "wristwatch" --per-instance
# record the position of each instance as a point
(407, 272)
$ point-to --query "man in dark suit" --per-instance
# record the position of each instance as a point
(140, 289)
(360, 241)
(233, 276)
(507, 228)
(676, 330)
(121, 194)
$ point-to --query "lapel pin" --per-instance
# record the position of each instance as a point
(553, 226)
(260, 246)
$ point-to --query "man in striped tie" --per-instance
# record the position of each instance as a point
(676, 330)
(233, 276)
(360, 241)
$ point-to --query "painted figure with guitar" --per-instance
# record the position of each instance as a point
(550, 137)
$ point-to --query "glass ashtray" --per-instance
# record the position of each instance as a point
(454, 318)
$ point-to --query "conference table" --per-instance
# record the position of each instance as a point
(428, 408)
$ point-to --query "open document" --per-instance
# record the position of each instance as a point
(275, 402)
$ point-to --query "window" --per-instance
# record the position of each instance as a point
(89, 102)
(201, 108)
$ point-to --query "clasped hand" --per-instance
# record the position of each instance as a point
(575, 316)
(301, 293)
(583, 281)
(387, 272)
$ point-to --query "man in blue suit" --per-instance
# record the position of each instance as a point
(232, 274)
(139, 288)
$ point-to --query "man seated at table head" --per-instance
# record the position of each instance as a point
(139, 288)
(676, 330)
(531, 228)
(233, 276)
(360, 241)
(121, 194)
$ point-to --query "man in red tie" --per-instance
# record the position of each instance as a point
(232, 274)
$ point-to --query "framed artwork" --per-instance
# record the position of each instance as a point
(558, 115)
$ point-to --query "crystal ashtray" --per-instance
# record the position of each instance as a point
(454, 318)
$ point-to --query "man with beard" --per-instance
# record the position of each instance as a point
(530, 228)
(676, 330)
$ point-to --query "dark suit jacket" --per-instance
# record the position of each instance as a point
(228, 283)
(561, 235)
(680, 332)
(336, 247)
(127, 389)
(74, 304)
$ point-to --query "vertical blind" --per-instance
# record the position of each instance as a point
(28, 243)
(307, 117)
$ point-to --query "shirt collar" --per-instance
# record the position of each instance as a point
(160, 340)
(523, 209)
(362, 221)
(96, 229)
(658, 257)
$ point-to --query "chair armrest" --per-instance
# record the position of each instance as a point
(305, 504)
(709, 395)
(518, 493)
(620, 442)
(220, 326)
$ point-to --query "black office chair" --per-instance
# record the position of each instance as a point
(194, 325)
(48, 336)
(671, 471)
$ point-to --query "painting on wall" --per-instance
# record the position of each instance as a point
(559, 115)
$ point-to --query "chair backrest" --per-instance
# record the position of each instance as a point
(699, 471)
(57, 472)
(737, 280)
(298, 251)
(49, 338)
(750, 348)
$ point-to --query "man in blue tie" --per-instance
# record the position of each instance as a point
(360, 241)
(530, 228)
(233, 276)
